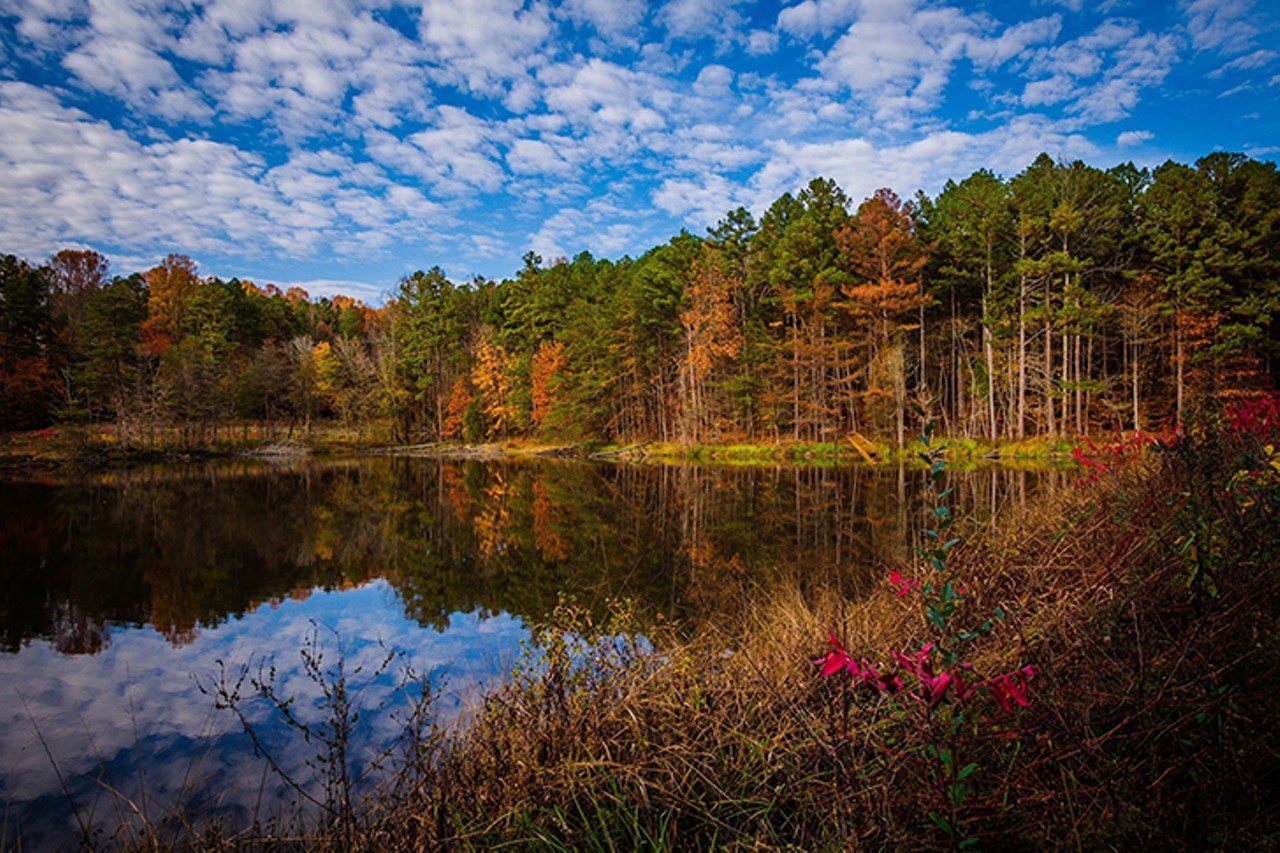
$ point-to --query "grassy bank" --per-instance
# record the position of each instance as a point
(1110, 661)
(102, 445)
(957, 451)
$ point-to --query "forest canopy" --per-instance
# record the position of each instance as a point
(1065, 299)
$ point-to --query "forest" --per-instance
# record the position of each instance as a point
(1064, 300)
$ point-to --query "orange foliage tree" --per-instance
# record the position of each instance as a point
(170, 286)
(880, 247)
(711, 335)
(456, 409)
(74, 276)
(549, 363)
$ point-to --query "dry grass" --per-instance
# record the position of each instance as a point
(1152, 721)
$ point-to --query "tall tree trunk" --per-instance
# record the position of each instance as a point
(1133, 361)
(795, 381)
(1022, 352)
(1048, 359)
(922, 379)
(987, 353)
(1179, 358)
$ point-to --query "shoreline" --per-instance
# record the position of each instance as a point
(58, 447)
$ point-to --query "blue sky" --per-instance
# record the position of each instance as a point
(340, 145)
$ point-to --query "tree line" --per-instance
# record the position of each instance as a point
(1062, 300)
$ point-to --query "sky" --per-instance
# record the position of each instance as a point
(341, 144)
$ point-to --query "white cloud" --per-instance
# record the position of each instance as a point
(361, 127)
(990, 52)
(1249, 62)
(761, 42)
(700, 201)
(572, 230)
(486, 46)
(367, 292)
(120, 55)
(694, 19)
(861, 167)
(535, 157)
(1224, 25)
(600, 94)
(457, 154)
(897, 56)
(97, 184)
(818, 17)
(608, 17)
(713, 81)
(1100, 76)
(1139, 64)
(297, 74)
(1130, 138)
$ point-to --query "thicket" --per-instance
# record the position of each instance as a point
(1063, 300)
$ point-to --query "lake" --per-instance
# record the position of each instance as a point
(128, 593)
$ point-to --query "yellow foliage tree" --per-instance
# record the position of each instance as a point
(549, 363)
(493, 382)
(170, 286)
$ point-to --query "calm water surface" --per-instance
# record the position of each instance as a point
(121, 592)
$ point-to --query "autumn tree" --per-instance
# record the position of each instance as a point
(169, 286)
(492, 382)
(711, 335)
(460, 403)
(549, 363)
(74, 277)
(880, 247)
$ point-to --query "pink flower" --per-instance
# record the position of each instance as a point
(903, 585)
(888, 682)
(936, 687)
(836, 659)
(1012, 688)
(916, 663)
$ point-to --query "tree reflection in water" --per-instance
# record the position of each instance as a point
(186, 547)
(116, 587)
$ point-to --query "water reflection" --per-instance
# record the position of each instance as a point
(116, 587)
(132, 722)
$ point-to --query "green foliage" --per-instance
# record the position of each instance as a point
(28, 346)
(109, 339)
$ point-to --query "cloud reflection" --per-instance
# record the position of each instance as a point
(133, 718)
